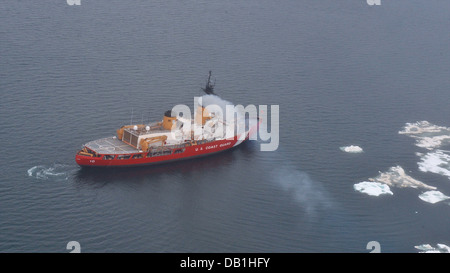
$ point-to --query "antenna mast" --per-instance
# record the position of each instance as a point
(209, 88)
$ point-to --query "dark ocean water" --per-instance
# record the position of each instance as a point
(342, 72)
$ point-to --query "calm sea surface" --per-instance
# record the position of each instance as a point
(342, 72)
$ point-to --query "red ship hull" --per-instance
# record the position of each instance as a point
(189, 152)
(144, 158)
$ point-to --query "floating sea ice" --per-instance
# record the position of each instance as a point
(427, 135)
(372, 188)
(427, 248)
(351, 149)
(443, 248)
(435, 162)
(433, 196)
(421, 127)
(397, 177)
(433, 142)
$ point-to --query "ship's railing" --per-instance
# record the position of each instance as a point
(87, 152)
(153, 152)
(175, 148)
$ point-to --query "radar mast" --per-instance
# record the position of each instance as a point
(209, 88)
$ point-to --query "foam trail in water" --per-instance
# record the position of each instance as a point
(351, 149)
(427, 248)
(308, 193)
(56, 172)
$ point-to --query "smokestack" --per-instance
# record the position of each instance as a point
(168, 120)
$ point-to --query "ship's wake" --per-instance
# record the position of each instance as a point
(54, 172)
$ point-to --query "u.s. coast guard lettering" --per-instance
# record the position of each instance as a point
(213, 146)
(234, 262)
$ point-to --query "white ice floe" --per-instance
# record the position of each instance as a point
(394, 177)
(372, 188)
(432, 142)
(433, 196)
(430, 137)
(435, 162)
(421, 127)
(427, 248)
(351, 149)
(397, 177)
(427, 135)
(53, 172)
